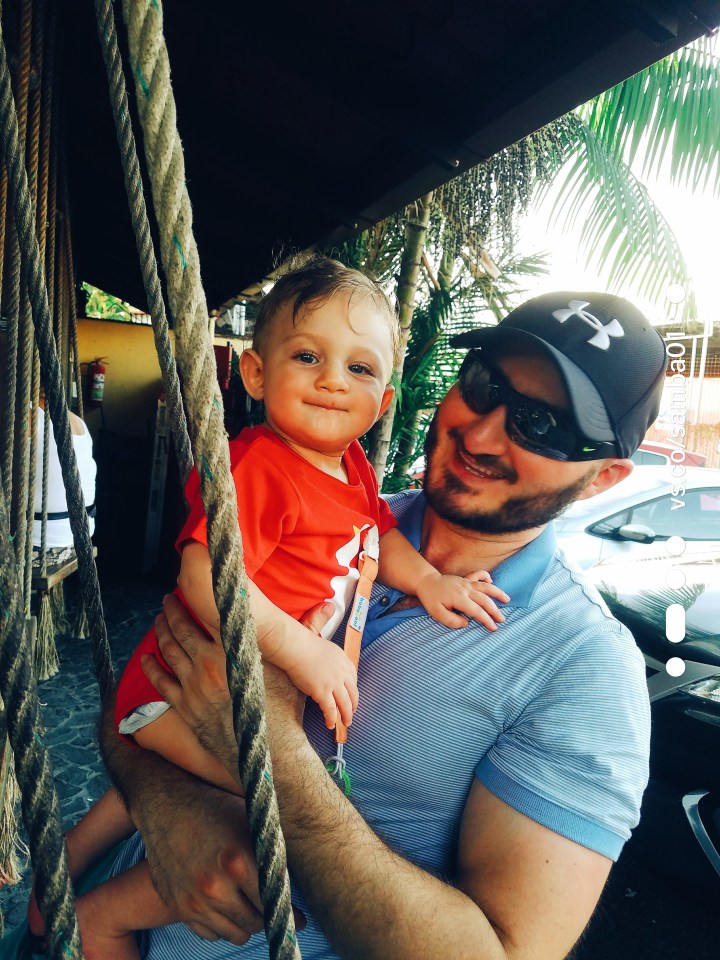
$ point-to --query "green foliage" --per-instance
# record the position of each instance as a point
(103, 306)
(670, 115)
(486, 200)
(670, 110)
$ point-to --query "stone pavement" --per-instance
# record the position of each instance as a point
(70, 704)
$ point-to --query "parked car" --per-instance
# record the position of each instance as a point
(655, 453)
(679, 831)
(637, 518)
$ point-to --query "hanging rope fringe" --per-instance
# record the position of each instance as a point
(80, 628)
(196, 361)
(11, 847)
(45, 656)
(59, 610)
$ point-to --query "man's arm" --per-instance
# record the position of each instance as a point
(210, 884)
(524, 892)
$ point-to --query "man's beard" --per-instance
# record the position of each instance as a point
(516, 514)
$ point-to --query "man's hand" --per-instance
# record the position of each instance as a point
(206, 875)
(199, 690)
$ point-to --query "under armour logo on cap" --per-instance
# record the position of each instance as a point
(601, 338)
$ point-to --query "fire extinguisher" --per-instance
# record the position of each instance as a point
(96, 381)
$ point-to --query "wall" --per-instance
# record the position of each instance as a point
(123, 431)
(133, 380)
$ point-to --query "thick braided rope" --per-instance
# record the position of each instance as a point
(156, 106)
(44, 55)
(19, 312)
(41, 811)
(3, 218)
(8, 419)
(72, 305)
(33, 165)
(52, 379)
(46, 239)
(141, 226)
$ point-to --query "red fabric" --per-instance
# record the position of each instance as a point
(134, 688)
(302, 533)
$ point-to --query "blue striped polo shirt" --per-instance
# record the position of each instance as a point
(550, 712)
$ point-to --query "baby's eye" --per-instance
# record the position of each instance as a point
(305, 356)
(361, 368)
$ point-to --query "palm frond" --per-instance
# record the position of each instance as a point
(670, 110)
(622, 231)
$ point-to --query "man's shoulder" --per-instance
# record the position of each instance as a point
(583, 619)
(401, 503)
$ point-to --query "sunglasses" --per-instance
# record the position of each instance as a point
(529, 423)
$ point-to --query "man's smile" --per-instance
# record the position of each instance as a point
(478, 464)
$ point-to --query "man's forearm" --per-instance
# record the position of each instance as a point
(206, 875)
(371, 902)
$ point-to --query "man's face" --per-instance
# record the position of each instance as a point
(476, 477)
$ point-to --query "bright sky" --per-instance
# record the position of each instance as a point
(695, 220)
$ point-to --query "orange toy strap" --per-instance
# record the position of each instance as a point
(368, 569)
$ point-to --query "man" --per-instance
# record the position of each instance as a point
(495, 775)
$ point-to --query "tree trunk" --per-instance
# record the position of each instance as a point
(415, 231)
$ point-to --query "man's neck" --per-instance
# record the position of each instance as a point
(456, 550)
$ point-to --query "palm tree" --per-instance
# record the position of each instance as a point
(669, 111)
(667, 116)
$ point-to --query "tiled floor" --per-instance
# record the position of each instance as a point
(70, 704)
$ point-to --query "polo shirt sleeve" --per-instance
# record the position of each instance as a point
(576, 759)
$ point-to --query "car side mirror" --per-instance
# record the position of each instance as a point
(637, 532)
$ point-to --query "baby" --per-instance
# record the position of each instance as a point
(322, 357)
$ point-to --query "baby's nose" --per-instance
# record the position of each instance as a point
(331, 376)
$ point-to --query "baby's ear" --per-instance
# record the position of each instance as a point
(252, 373)
(386, 400)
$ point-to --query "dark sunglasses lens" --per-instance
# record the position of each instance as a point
(529, 424)
(476, 386)
(541, 430)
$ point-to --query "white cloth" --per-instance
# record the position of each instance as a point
(59, 533)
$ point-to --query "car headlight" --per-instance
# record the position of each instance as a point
(707, 689)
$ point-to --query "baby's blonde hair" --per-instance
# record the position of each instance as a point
(318, 279)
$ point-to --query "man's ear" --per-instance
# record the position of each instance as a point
(386, 400)
(252, 373)
(612, 472)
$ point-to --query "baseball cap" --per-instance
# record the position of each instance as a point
(611, 359)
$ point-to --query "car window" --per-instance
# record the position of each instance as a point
(698, 519)
(646, 458)
(605, 528)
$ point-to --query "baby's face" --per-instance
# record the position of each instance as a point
(324, 378)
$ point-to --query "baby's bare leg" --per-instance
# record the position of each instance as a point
(110, 914)
(173, 739)
(105, 824)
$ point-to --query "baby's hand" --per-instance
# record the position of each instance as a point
(442, 595)
(328, 676)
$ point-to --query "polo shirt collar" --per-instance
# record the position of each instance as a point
(518, 576)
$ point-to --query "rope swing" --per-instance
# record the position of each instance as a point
(196, 362)
(32, 335)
